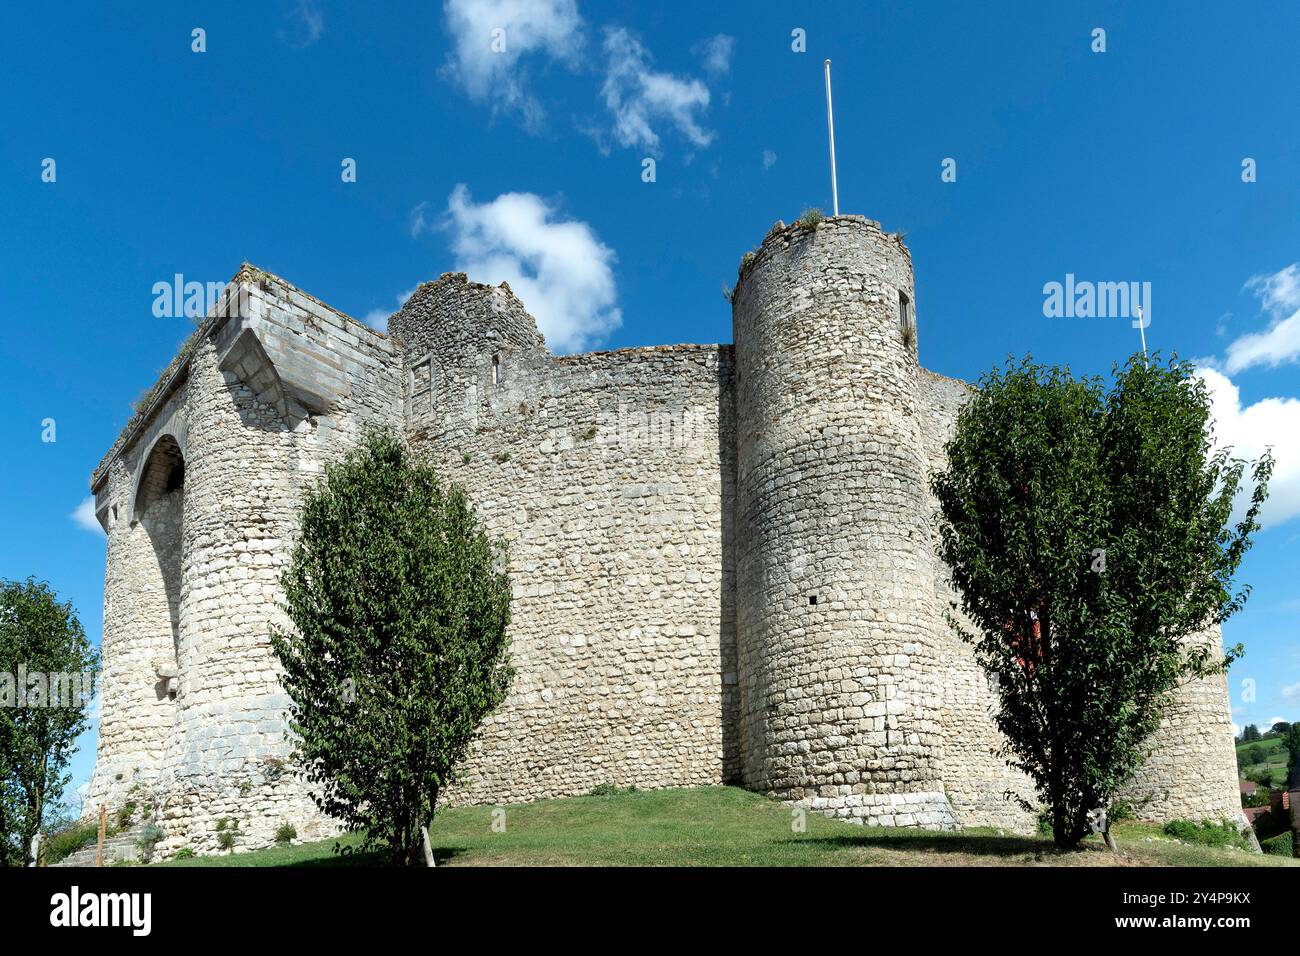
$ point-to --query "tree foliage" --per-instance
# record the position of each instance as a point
(1292, 744)
(1088, 530)
(47, 675)
(399, 603)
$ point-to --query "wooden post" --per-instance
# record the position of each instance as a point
(103, 825)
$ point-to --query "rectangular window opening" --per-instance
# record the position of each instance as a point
(904, 310)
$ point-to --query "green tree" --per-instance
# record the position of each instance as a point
(1087, 530)
(47, 679)
(1256, 754)
(399, 603)
(1292, 744)
(1281, 728)
(1250, 733)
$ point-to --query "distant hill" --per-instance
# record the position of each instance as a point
(1274, 760)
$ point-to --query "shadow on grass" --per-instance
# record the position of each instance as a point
(442, 855)
(941, 844)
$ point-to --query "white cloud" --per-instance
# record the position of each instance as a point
(1279, 293)
(1248, 430)
(84, 516)
(716, 52)
(491, 37)
(305, 25)
(1279, 720)
(560, 269)
(378, 318)
(1290, 692)
(640, 97)
(419, 220)
(769, 159)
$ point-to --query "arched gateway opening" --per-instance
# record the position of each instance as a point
(159, 509)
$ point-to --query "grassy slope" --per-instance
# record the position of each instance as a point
(1276, 761)
(727, 826)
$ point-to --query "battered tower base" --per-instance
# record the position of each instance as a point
(926, 809)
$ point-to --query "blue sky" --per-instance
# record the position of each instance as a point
(526, 164)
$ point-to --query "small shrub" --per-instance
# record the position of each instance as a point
(125, 814)
(1120, 810)
(811, 218)
(1043, 825)
(588, 433)
(909, 335)
(227, 831)
(286, 833)
(245, 788)
(66, 842)
(148, 840)
(1281, 845)
(610, 790)
(184, 853)
(1205, 833)
(465, 458)
(501, 457)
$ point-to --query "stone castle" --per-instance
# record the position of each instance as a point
(722, 555)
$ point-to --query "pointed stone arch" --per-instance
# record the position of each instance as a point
(158, 508)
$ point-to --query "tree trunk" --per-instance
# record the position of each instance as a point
(1109, 838)
(428, 849)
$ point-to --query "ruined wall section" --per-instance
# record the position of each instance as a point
(257, 433)
(261, 431)
(141, 575)
(604, 473)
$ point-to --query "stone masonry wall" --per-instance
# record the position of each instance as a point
(604, 474)
(1190, 770)
(979, 783)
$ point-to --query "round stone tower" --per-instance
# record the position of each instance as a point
(836, 630)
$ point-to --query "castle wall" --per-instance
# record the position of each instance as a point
(141, 618)
(975, 772)
(1190, 768)
(604, 473)
(722, 558)
(247, 459)
(838, 647)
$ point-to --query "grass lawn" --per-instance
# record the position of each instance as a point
(727, 826)
(1275, 756)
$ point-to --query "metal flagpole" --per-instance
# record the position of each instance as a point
(830, 126)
